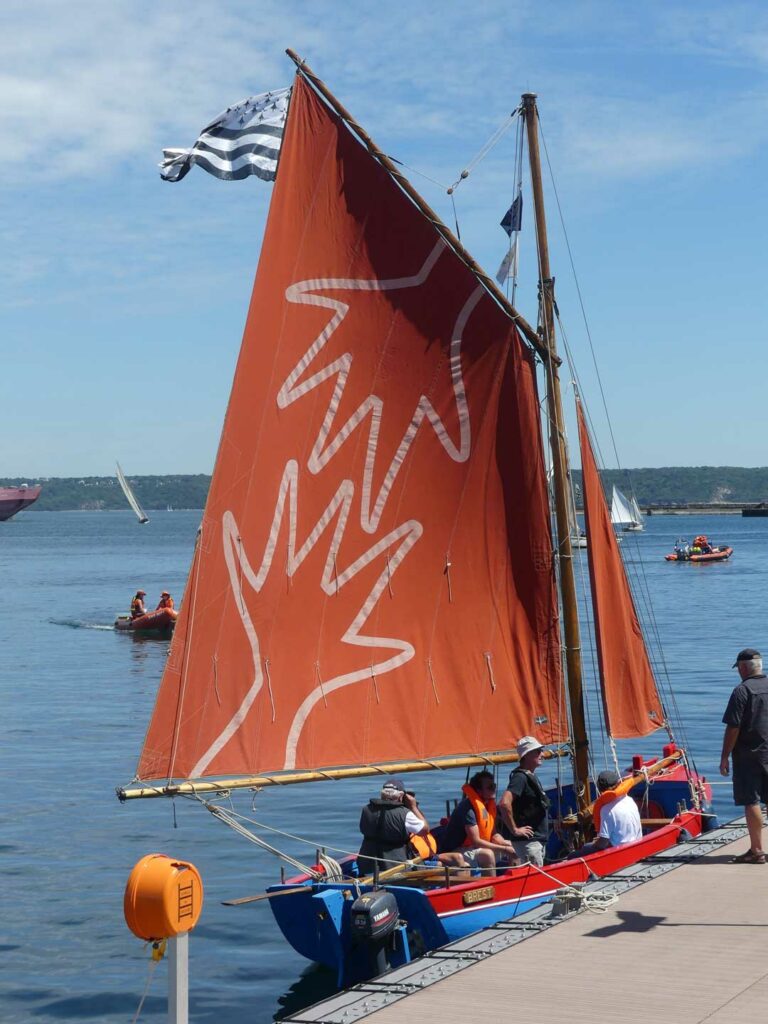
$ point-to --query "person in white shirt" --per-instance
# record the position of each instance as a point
(619, 819)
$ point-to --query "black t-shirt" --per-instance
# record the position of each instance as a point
(748, 711)
(455, 832)
(529, 803)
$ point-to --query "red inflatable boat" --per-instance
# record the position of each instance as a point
(162, 620)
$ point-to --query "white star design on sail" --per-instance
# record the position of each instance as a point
(314, 292)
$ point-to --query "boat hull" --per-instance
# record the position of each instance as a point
(162, 620)
(14, 499)
(317, 923)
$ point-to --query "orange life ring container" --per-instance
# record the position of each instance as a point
(163, 897)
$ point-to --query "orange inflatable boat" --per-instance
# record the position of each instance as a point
(162, 620)
(699, 550)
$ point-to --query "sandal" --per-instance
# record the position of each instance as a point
(750, 857)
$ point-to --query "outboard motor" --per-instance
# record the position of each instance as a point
(374, 918)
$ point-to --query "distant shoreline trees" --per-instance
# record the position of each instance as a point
(94, 493)
(668, 485)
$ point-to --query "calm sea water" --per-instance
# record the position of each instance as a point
(76, 699)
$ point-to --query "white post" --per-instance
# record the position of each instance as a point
(178, 979)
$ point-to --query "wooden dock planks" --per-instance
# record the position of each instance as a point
(689, 946)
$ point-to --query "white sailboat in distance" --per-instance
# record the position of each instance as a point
(132, 500)
(625, 512)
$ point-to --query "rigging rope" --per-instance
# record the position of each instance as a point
(484, 150)
(636, 571)
(150, 975)
(595, 902)
(229, 816)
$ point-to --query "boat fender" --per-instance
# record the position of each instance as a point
(163, 897)
(485, 813)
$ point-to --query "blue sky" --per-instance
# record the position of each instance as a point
(123, 298)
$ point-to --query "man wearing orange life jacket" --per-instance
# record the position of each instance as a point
(166, 601)
(619, 818)
(471, 829)
(137, 604)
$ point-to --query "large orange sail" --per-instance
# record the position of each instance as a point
(374, 576)
(631, 701)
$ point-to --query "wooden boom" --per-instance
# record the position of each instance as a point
(356, 772)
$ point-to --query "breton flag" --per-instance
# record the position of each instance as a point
(244, 140)
(511, 222)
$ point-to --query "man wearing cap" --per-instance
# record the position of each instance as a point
(619, 819)
(137, 604)
(524, 805)
(746, 738)
(387, 825)
(166, 601)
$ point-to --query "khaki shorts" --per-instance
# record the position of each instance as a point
(469, 853)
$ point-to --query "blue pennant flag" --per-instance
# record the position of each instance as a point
(513, 218)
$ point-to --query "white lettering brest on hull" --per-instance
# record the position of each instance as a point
(396, 544)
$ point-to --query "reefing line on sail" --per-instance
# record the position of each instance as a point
(405, 535)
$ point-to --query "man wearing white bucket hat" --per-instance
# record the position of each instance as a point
(524, 805)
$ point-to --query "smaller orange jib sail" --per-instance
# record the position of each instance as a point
(630, 697)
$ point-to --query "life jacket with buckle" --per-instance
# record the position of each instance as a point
(137, 608)
(424, 846)
(485, 814)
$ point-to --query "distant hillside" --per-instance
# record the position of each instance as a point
(672, 485)
(669, 485)
(64, 494)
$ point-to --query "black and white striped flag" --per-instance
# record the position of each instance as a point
(244, 140)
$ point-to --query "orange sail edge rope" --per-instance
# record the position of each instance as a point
(631, 700)
(375, 578)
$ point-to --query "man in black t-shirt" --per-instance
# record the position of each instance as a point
(746, 737)
(523, 807)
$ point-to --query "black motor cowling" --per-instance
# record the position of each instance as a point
(374, 917)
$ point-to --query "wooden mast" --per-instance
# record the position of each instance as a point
(560, 466)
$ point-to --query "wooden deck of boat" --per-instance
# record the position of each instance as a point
(688, 946)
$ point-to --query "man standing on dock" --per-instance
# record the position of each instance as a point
(746, 736)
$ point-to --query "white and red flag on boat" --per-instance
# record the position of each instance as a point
(244, 140)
